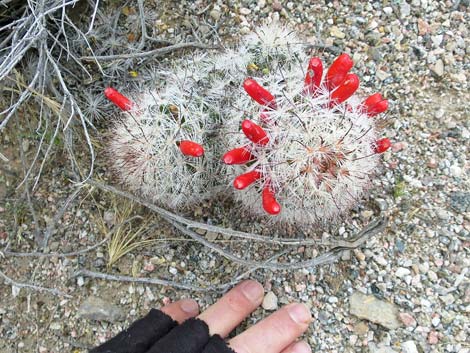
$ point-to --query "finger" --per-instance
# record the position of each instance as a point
(274, 333)
(298, 347)
(223, 316)
(181, 310)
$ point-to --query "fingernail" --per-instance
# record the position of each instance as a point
(299, 313)
(189, 306)
(301, 347)
(252, 290)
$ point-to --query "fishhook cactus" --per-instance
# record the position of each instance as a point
(307, 153)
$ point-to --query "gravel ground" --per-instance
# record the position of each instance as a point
(407, 290)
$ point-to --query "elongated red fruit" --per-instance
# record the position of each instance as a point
(254, 132)
(375, 104)
(270, 204)
(377, 108)
(345, 90)
(382, 145)
(244, 180)
(372, 100)
(237, 156)
(118, 99)
(190, 148)
(258, 93)
(314, 75)
(338, 71)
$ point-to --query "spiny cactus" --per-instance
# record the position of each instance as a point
(307, 148)
(156, 149)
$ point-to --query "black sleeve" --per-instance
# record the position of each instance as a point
(189, 337)
(216, 344)
(140, 336)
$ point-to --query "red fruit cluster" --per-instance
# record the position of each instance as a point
(338, 81)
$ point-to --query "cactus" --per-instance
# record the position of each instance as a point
(313, 146)
(295, 141)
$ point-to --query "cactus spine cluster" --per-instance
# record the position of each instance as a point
(293, 139)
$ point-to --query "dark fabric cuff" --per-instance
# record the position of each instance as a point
(140, 336)
(217, 344)
(189, 337)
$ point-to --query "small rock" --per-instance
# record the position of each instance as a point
(455, 171)
(332, 300)
(270, 301)
(80, 281)
(370, 308)
(448, 299)
(388, 10)
(438, 68)
(402, 272)
(423, 27)
(215, 14)
(277, 6)
(407, 319)
(360, 328)
(211, 236)
(433, 337)
(244, 11)
(460, 201)
(336, 32)
(409, 347)
(100, 310)
(405, 9)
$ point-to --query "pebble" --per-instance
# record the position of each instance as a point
(438, 68)
(244, 11)
(407, 319)
(405, 9)
(433, 337)
(402, 272)
(277, 6)
(455, 171)
(270, 301)
(336, 32)
(215, 14)
(370, 308)
(97, 309)
(409, 347)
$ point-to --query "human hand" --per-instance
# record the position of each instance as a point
(275, 334)
(179, 328)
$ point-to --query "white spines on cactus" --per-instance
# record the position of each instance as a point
(156, 149)
(307, 150)
(310, 147)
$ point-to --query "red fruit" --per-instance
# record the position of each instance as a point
(118, 99)
(382, 145)
(378, 108)
(375, 104)
(270, 204)
(237, 156)
(338, 71)
(314, 75)
(258, 93)
(254, 132)
(190, 148)
(244, 180)
(345, 90)
(372, 99)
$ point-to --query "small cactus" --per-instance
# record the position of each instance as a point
(313, 146)
(156, 149)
